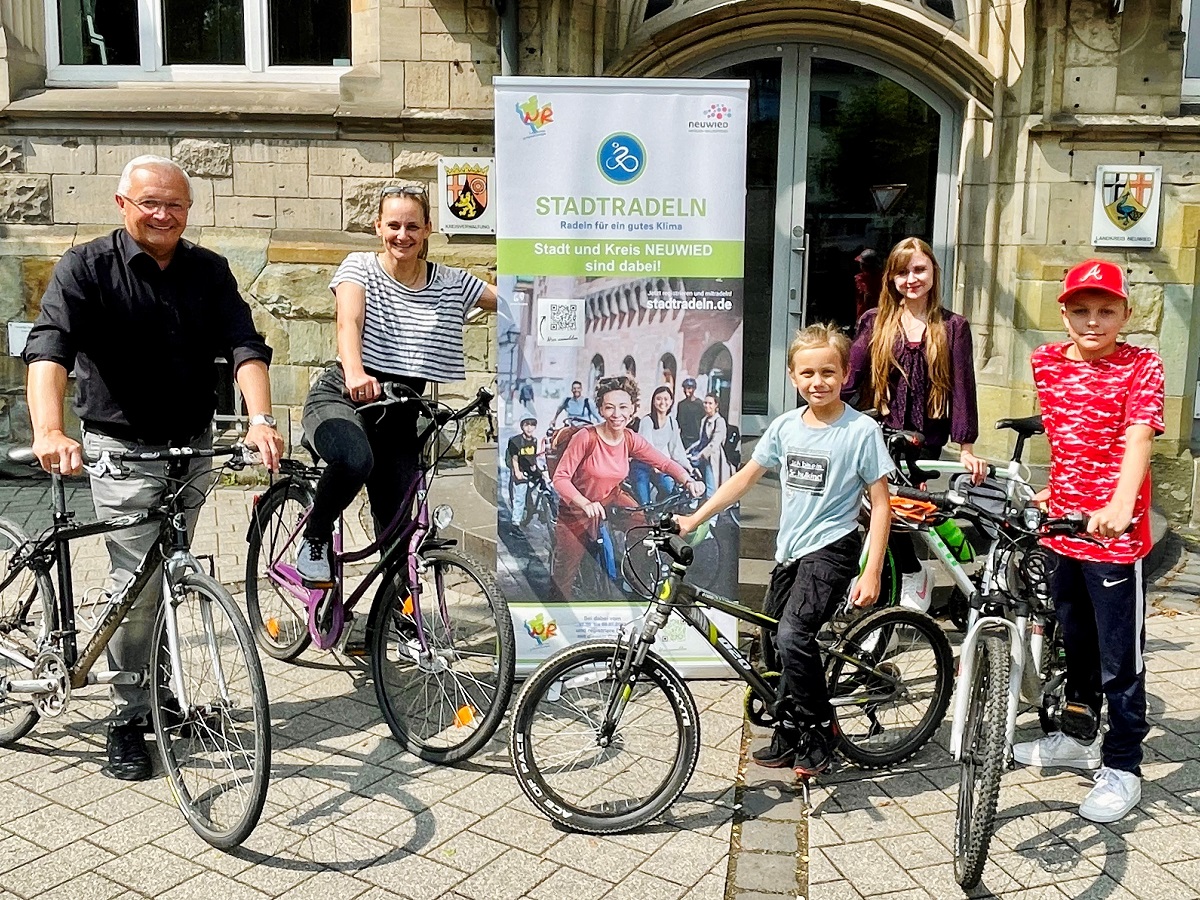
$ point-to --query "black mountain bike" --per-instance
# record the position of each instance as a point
(605, 734)
(208, 700)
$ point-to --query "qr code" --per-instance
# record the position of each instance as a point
(560, 322)
(563, 316)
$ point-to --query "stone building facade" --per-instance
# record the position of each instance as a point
(980, 121)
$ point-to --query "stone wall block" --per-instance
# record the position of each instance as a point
(471, 86)
(61, 156)
(325, 186)
(273, 331)
(270, 179)
(85, 199)
(246, 251)
(36, 240)
(244, 212)
(477, 342)
(12, 155)
(360, 203)
(1050, 161)
(1089, 89)
(20, 427)
(289, 384)
(401, 27)
(295, 291)
(36, 272)
(416, 163)
(447, 17)
(361, 158)
(202, 214)
(305, 213)
(201, 156)
(311, 343)
(112, 154)
(445, 47)
(270, 152)
(12, 300)
(25, 199)
(427, 85)
(1084, 162)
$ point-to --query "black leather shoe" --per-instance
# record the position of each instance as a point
(128, 758)
(780, 753)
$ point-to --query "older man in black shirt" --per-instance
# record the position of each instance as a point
(141, 315)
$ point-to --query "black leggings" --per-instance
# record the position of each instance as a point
(377, 448)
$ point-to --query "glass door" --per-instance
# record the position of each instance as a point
(845, 155)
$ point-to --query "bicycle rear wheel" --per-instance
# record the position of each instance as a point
(588, 771)
(890, 679)
(278, 618)
(26, 617)
(215, 740)
(982, 758)
(444, 701)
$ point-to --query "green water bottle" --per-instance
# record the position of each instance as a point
(949, 532)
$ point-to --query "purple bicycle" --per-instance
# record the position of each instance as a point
(438, 632)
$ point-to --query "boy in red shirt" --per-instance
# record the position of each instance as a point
(1102, 404)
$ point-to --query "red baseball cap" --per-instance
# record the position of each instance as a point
(1095, 275)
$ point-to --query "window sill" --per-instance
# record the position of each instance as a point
(307, 111)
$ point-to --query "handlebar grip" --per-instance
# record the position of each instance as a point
(909, 493)
(679, 550)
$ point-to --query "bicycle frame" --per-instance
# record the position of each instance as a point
(53, 547)
(388, 544)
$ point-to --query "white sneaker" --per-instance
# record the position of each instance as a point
(1115, 794)
(916, 589)
(1058, 749)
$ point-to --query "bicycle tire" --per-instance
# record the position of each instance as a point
(26, 615)
(884, 720)
(216, 750)
(466, 706)
(982, 759)
(575, 687)
(278, 619)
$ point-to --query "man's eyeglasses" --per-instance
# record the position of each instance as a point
(408, 190)
(153, 207)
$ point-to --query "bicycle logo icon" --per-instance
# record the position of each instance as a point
(621, 158)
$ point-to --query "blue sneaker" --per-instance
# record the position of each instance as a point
(314, 562)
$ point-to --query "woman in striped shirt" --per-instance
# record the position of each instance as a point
(399, 318)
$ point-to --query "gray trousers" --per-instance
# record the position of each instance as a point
(129, 649)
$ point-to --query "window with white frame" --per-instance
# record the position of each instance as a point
(1191, 51)
(96, 41)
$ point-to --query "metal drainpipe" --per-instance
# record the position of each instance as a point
(506, 11)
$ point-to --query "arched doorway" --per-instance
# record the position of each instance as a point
(845, 153)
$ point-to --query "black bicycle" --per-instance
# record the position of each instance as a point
(605, 734)
(208, 699)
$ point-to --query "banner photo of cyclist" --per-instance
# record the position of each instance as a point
(620, 241)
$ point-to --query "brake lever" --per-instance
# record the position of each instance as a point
(106, 466)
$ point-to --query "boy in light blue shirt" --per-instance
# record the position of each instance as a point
(827, 454)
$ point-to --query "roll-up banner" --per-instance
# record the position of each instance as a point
(620, 237)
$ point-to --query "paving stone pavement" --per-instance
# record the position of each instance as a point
(348, 814)
(890, 834)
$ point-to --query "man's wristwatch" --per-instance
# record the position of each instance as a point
(263, 419)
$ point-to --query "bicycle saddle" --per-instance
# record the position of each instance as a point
(1026, 427)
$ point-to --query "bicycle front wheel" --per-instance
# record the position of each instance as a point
(278, 617)
(444, 698)
(598, 753)
(982, 758)
(890, 679)
(26, 617)
(209, 708)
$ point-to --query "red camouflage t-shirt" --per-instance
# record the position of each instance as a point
(1086, 407)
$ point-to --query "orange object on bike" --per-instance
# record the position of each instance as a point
(913, 510)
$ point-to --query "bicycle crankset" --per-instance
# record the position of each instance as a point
(758, 710)
(50, 665)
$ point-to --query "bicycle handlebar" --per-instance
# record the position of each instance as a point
(1033, 519)
(108, 462)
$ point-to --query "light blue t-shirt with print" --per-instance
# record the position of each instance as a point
(822, 473)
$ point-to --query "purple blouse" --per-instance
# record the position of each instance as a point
(910, 394)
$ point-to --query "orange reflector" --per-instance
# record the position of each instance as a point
(407, 608)
(464, 716)
(272, 626)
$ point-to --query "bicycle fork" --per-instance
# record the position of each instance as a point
(1016, 649)
(627, 670)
